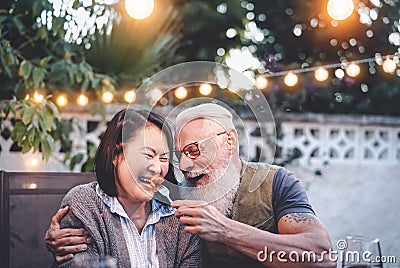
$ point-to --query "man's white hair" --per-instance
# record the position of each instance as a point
(210, 111)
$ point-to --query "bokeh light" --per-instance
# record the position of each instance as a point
(130, 96)
(107, 97)
(321, 74)
(340, 9)
(353, 70)
(139, 9)
(82, 100)
(291, 79)
(181, 93)
(62, 101)
(205, 89)
(261, 82)
(389, 66)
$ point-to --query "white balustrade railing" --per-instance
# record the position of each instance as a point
(316, 138)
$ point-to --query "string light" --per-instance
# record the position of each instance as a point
(389, 66)
(181, 93)
(156, 94)
(107, 97)
(340, 9)
(62, 101)
(139, 9)
(205, 89)
(130, 96)
(321, 74)
(261, 82)
(291, 79)
(37, 97)
(353, 70)
(82, 100)
(328, 66)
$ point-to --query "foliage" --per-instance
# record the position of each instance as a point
(38, 54)
(321, 41)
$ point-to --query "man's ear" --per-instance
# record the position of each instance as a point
(232, 139)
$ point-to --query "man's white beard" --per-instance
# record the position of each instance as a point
(220, 192)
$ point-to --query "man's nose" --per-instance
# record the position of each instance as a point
(185, 164)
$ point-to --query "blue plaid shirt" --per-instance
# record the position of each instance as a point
(141, 247)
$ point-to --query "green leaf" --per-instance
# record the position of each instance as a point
(18, 24)
(54, 109)
(31, 135)
(36, 141)
(38, 76)
(85, 84)
(47, 145)
(45, 119)
(45, 61)
(28, 114)
(26, 147)
(76, 159)
(18, 132)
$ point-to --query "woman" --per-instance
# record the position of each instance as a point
(119, 211)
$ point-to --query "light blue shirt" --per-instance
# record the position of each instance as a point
(142, 247)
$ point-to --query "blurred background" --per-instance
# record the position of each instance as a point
(328, 69)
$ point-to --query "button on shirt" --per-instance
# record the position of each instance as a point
(142, 247)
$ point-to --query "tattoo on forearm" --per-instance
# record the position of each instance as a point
(300, 217)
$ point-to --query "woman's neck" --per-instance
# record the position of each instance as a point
(137, 212)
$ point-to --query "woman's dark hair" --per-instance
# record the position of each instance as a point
(122, 127)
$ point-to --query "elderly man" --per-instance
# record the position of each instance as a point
(248, 214)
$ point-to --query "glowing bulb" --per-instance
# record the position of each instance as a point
(139, 9)
(353, 70)
(321, 74)
(291, 79)
(389, 66)
(261, 82)
(82, 100)
(205, 89)
(37, 97)
(156, 94)
(107, 96)
(33, 162)
(26, 97)
(130, 96)
(181, 93)
(61, 101)
(340, 9)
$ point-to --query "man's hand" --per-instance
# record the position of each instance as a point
(201, 218)
(63, 243)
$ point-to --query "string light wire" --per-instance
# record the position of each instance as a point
(328, 66)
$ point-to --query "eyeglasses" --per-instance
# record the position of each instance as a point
(192, 150)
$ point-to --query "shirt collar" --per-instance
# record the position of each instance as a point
(158, 209)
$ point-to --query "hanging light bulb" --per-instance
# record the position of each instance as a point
(340, 9)
(261, 82)
(139, 9)
(61, 100)
(389, 66)
(353, 70)
(130, 96)
(181, 93)
(82, 100)
(155, 95)
(107, 97)
(291, 79)
(321, 74)
(205, 89)
(37, 97)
